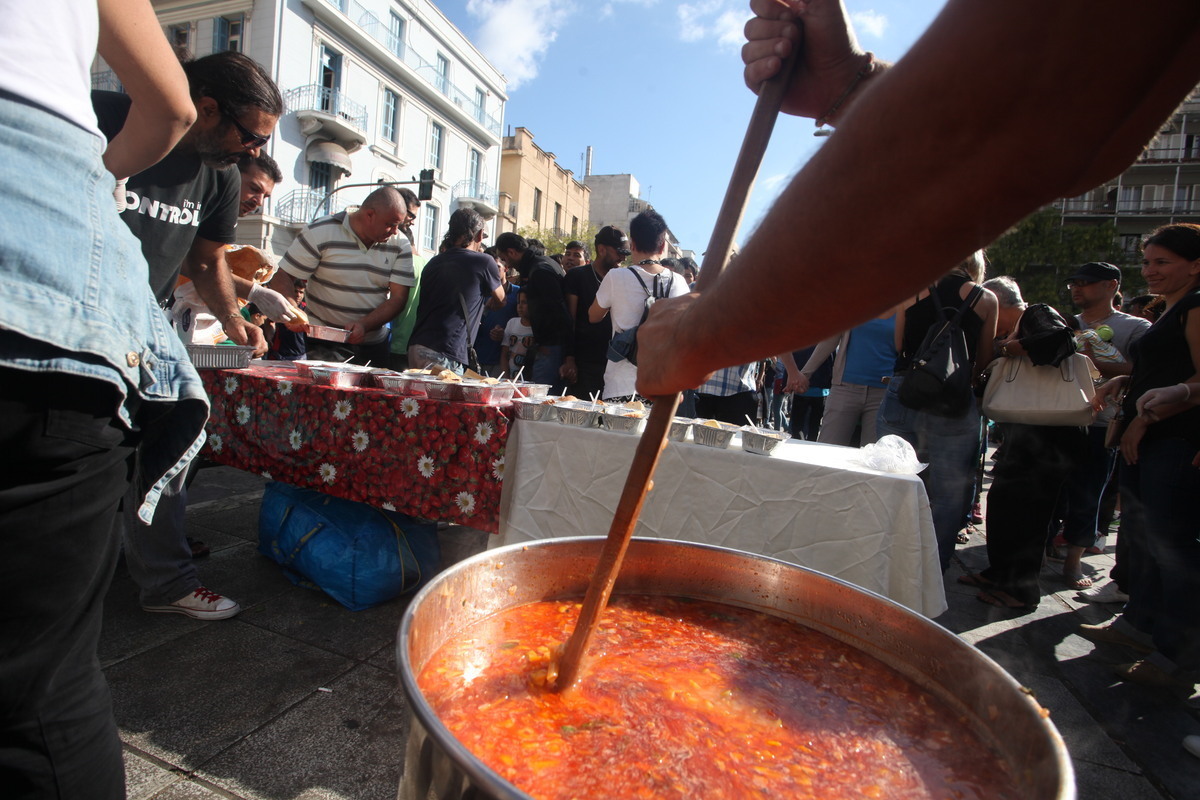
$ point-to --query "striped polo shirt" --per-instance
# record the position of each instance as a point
(346, 279)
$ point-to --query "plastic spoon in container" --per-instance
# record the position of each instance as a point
(564, 670)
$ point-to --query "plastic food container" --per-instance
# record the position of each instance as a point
(327, 333)
(580, 413)
(624, 420)
(679, 429)
(443, 390)
(760, 441)
(535, 410)
(532, 390)
(222, 356)
(713, 434)
(492, 394)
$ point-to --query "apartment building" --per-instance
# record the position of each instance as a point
(536, 192)
(616, 199)
(375, 91)
(1161, 187)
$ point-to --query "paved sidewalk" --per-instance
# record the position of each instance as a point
(296, 697)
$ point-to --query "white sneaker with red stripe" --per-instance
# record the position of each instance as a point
(200, 604)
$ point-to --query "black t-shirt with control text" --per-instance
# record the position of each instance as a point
(172, 202)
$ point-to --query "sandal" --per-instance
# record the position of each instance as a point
(1077, 580)
(1002, 599)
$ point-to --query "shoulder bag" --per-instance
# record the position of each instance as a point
(1047, 395)
(623, 345)
(938, 379)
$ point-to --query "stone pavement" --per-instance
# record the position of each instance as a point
(296, 697)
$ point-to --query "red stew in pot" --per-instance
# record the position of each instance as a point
(684, 699)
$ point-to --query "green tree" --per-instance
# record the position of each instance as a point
(1040, 253)
(555, 239)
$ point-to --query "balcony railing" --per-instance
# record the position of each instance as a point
(373, 27)
(304, 205)
(476, 190)
(1170, 154)
(315, 97)
(1148, 207)
(106, 81)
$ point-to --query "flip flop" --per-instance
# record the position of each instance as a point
(1077, 580)
(1002, 599)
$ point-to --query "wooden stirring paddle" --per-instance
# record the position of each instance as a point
(654, 437)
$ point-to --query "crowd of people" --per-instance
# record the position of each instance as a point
(104, 412)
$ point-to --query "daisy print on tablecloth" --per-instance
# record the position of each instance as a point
(483, 432)
(341, 409)
(388, 507)
(409, 407)
(360, 440)
(285, 388)
(498, 468)
(425, 466)
(295, 439)
(214, 441)
(231, 385)
(328, 472)
(266, 475)
(242, 414)
(465, 502)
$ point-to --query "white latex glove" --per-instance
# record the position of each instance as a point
(271, 303)
(119, 194)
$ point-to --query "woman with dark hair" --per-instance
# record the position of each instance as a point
(949, 445)
(1159, 482)
(455, 284)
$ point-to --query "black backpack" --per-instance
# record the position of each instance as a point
(938, 379)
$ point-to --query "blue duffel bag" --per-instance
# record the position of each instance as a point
(359, 555)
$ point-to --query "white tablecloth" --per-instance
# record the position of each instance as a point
(806, 504)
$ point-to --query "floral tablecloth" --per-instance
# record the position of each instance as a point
(435, 459)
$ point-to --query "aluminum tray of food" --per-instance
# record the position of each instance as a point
(712, 433)
(532, 390)
(624, 419)
(579, 412)
(760, 441)
(438, 389)
(492, 394)
(391, 382)
(327, 333)
(338, 376)
(220, 356)
(536, 410)
(679, 429)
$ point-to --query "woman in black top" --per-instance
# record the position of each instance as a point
(1160, 484)
(949, 445)
(454, 287)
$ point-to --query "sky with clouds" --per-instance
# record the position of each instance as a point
(655, 88)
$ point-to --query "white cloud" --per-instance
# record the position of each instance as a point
(869, 23)
(515, 34)
(719, 20)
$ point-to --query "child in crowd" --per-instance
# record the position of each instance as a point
(518, 339)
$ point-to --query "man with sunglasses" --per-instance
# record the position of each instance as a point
(183, 210)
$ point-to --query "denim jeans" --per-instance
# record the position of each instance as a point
(1084, 488)
(1158, 516)
(949, 445)
(545, 367)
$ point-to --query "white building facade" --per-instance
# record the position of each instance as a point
(375, 91)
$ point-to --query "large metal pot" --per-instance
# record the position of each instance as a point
(962, 677)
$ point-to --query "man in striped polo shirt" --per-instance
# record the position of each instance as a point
(359, 269)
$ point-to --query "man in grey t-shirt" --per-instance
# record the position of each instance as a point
(1093, 289)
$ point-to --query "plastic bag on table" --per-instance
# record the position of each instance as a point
(890, 454)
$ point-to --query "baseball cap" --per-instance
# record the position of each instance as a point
(1096, 271)
(613, 237)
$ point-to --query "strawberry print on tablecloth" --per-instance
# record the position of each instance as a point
(436, 459)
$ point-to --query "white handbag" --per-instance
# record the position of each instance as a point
(1017, 391)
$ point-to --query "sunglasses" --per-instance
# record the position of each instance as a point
(249, 138)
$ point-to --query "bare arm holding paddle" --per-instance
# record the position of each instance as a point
(933, 158)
